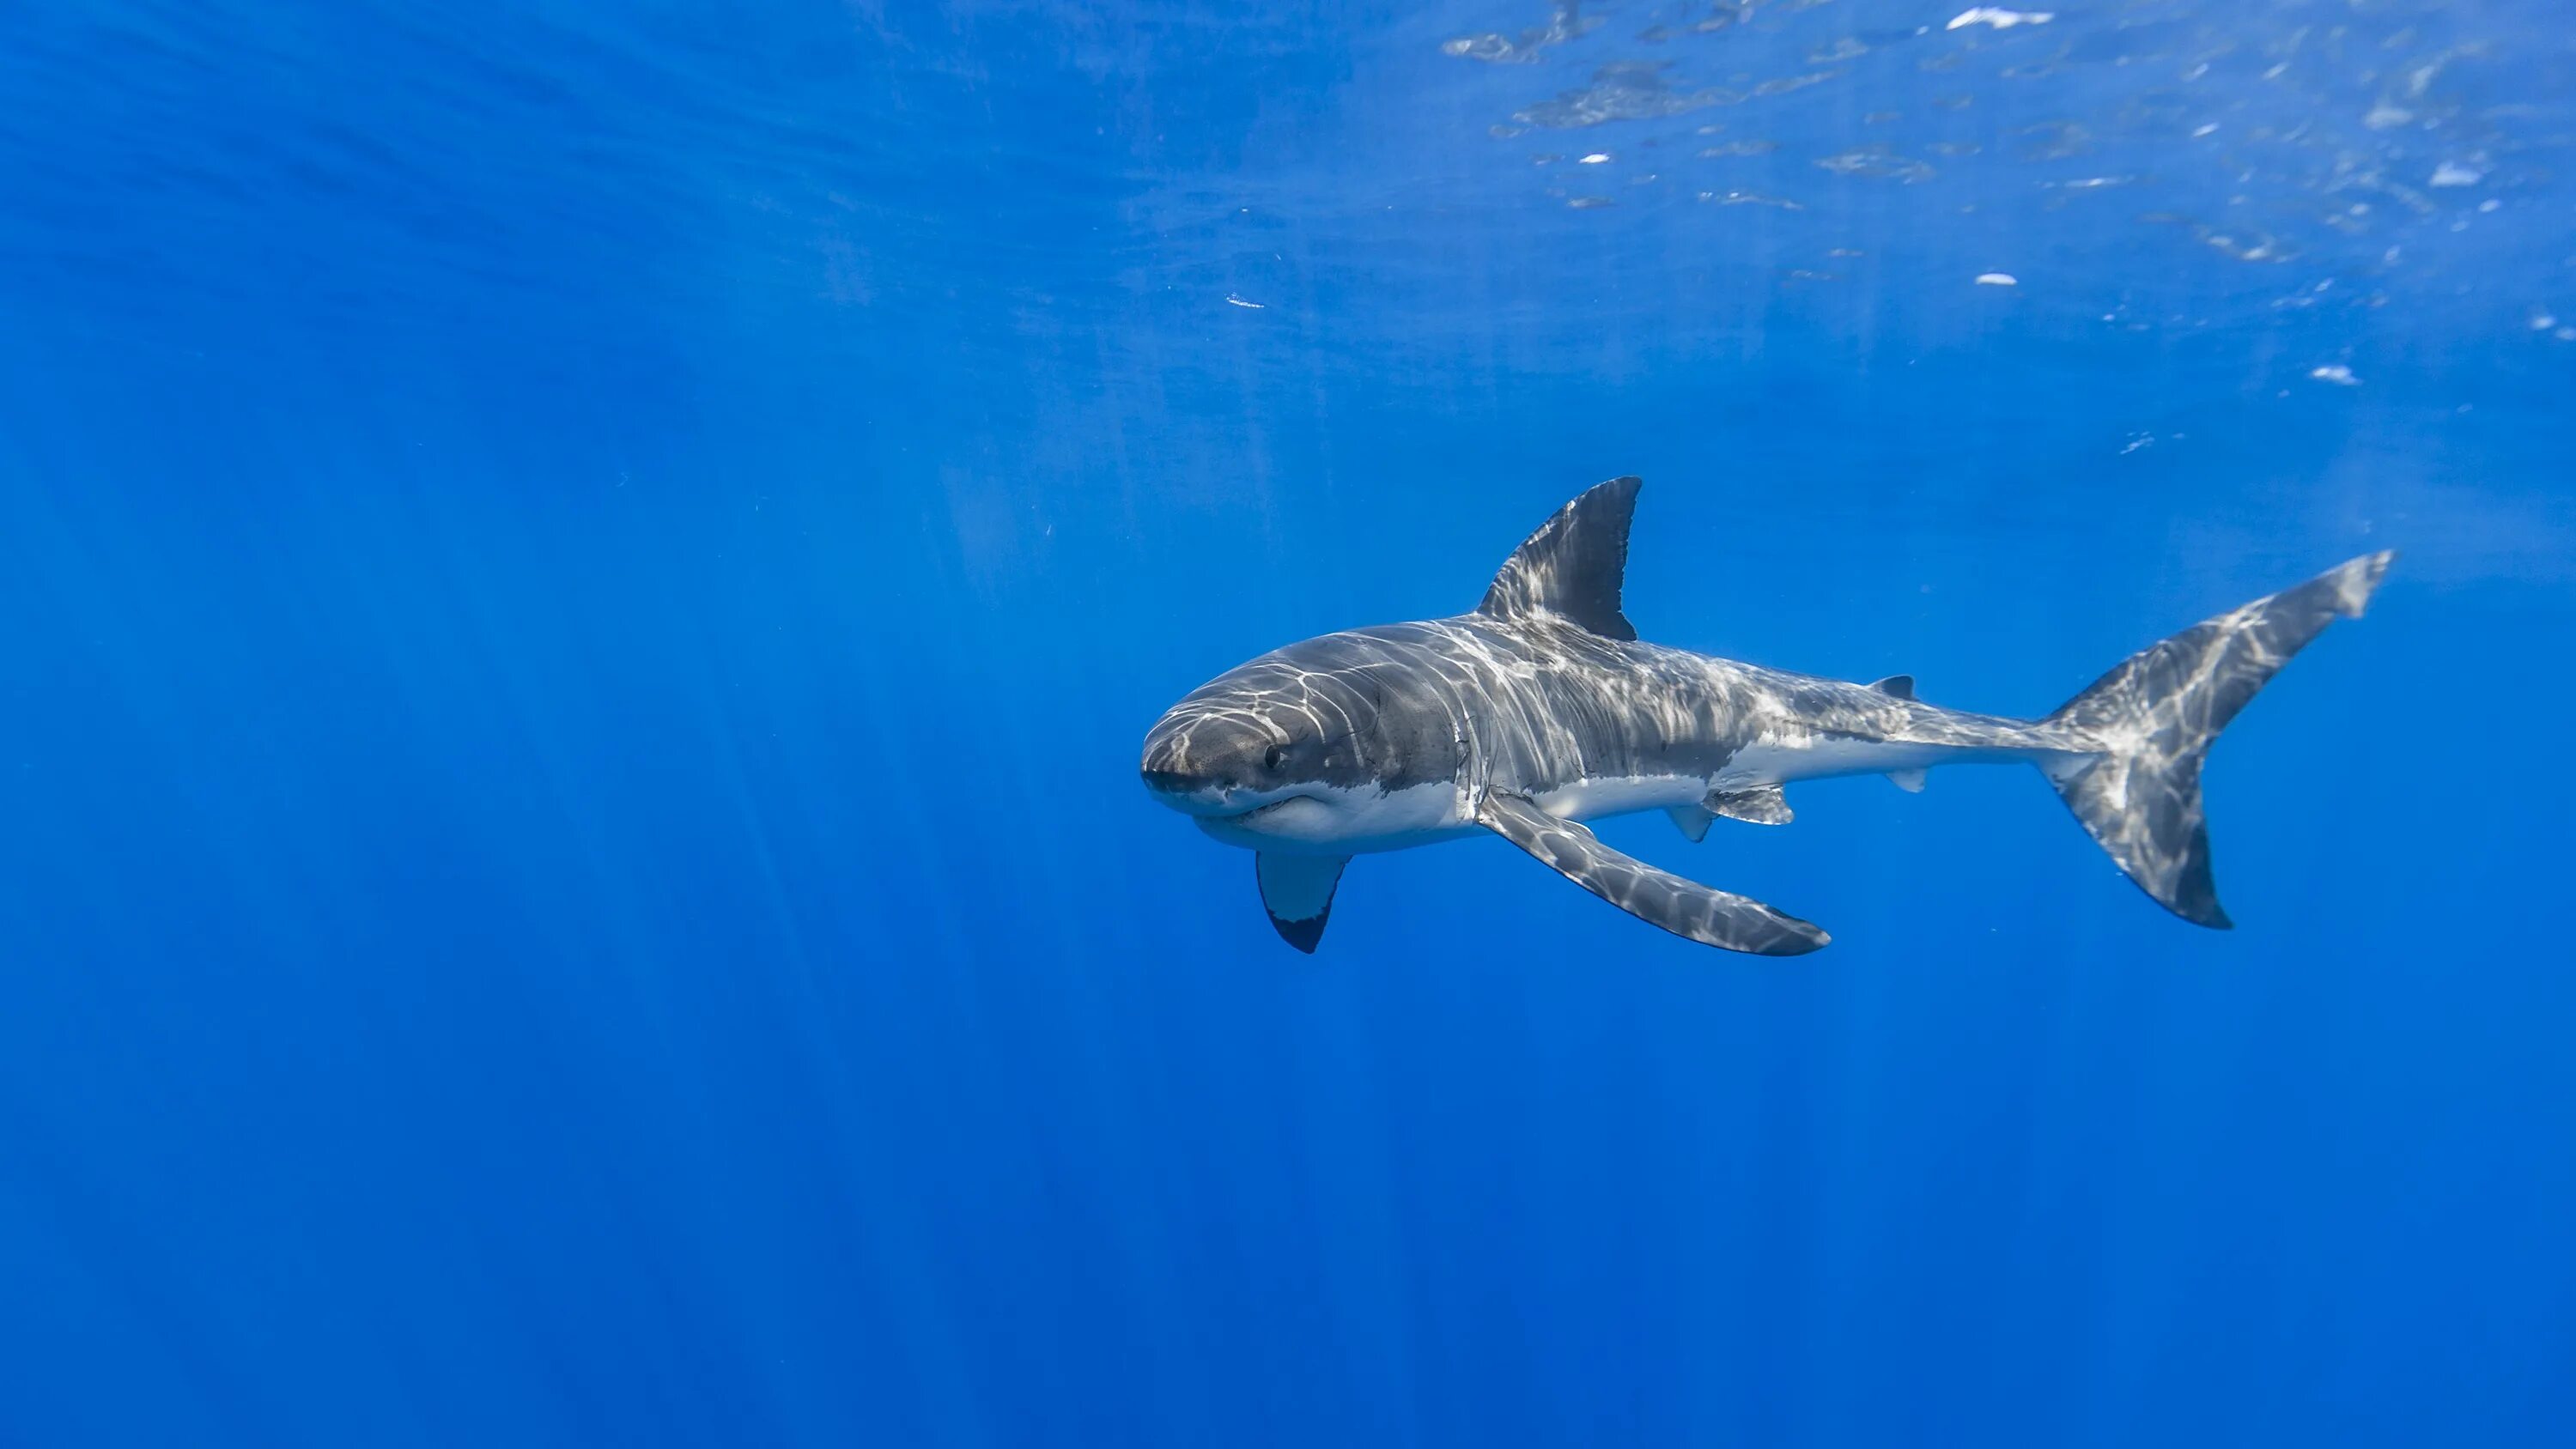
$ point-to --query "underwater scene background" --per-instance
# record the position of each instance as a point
(582, 586)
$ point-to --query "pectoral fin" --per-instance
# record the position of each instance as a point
(1297, 890)
(1685, 908)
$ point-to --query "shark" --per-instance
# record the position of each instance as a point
(1541, 710)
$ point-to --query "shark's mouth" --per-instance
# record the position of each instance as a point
(1286, 815)
(1210, 806)
(1257, 811)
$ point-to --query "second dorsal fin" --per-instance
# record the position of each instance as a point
(1900, 685)
(1573, 566)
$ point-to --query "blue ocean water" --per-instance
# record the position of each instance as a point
(582, 585)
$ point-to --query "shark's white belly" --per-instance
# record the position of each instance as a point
(1817, 757)
(1625, 795)
(1366, 820)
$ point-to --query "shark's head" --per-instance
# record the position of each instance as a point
(1294, 747)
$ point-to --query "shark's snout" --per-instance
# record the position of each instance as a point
(1203, 764)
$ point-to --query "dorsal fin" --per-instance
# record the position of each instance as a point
(1900, 685)
(1572, 567)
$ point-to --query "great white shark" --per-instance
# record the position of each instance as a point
(1542, 709)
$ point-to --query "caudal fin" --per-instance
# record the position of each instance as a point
(2152, 719)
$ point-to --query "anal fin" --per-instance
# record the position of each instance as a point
(1761, 805)
(1659, 898)
(1909, 781)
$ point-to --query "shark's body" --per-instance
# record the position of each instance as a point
(1542, 709)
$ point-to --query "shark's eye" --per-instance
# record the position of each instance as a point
(1272, 758)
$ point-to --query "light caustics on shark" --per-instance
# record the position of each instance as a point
(1542, 709)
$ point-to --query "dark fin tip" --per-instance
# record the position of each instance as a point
(1304, 935)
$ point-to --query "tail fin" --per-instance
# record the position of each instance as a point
(2153, 718)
